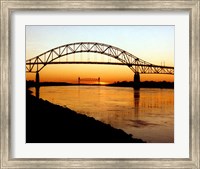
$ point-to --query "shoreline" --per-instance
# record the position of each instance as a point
(50, 123)
(144, 84)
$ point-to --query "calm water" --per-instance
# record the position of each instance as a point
(146, 113)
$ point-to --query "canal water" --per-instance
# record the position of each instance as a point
(147, 113)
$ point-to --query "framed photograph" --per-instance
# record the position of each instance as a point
(100, 84)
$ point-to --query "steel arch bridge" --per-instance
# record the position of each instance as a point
(136, 64)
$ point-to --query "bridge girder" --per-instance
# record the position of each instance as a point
(136, 64)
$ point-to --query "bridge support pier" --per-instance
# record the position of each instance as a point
(136, 82)
(37, 85)
(37, 79)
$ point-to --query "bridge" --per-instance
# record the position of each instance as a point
(59, 55)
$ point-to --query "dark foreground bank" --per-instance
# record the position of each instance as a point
(50, 123)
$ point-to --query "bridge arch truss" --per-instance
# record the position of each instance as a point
(136, 64)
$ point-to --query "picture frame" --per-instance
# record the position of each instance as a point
(7, 7)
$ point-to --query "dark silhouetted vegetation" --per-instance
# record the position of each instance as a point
(145, 84)
(31, 83)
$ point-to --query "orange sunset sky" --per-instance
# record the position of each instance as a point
(154, 44)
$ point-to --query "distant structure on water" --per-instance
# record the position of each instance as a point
(89, 80)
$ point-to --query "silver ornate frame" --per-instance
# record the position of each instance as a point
(193, 6)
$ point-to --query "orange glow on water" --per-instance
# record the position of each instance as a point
(146, 113)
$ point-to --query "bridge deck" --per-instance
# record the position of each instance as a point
(101, 63)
